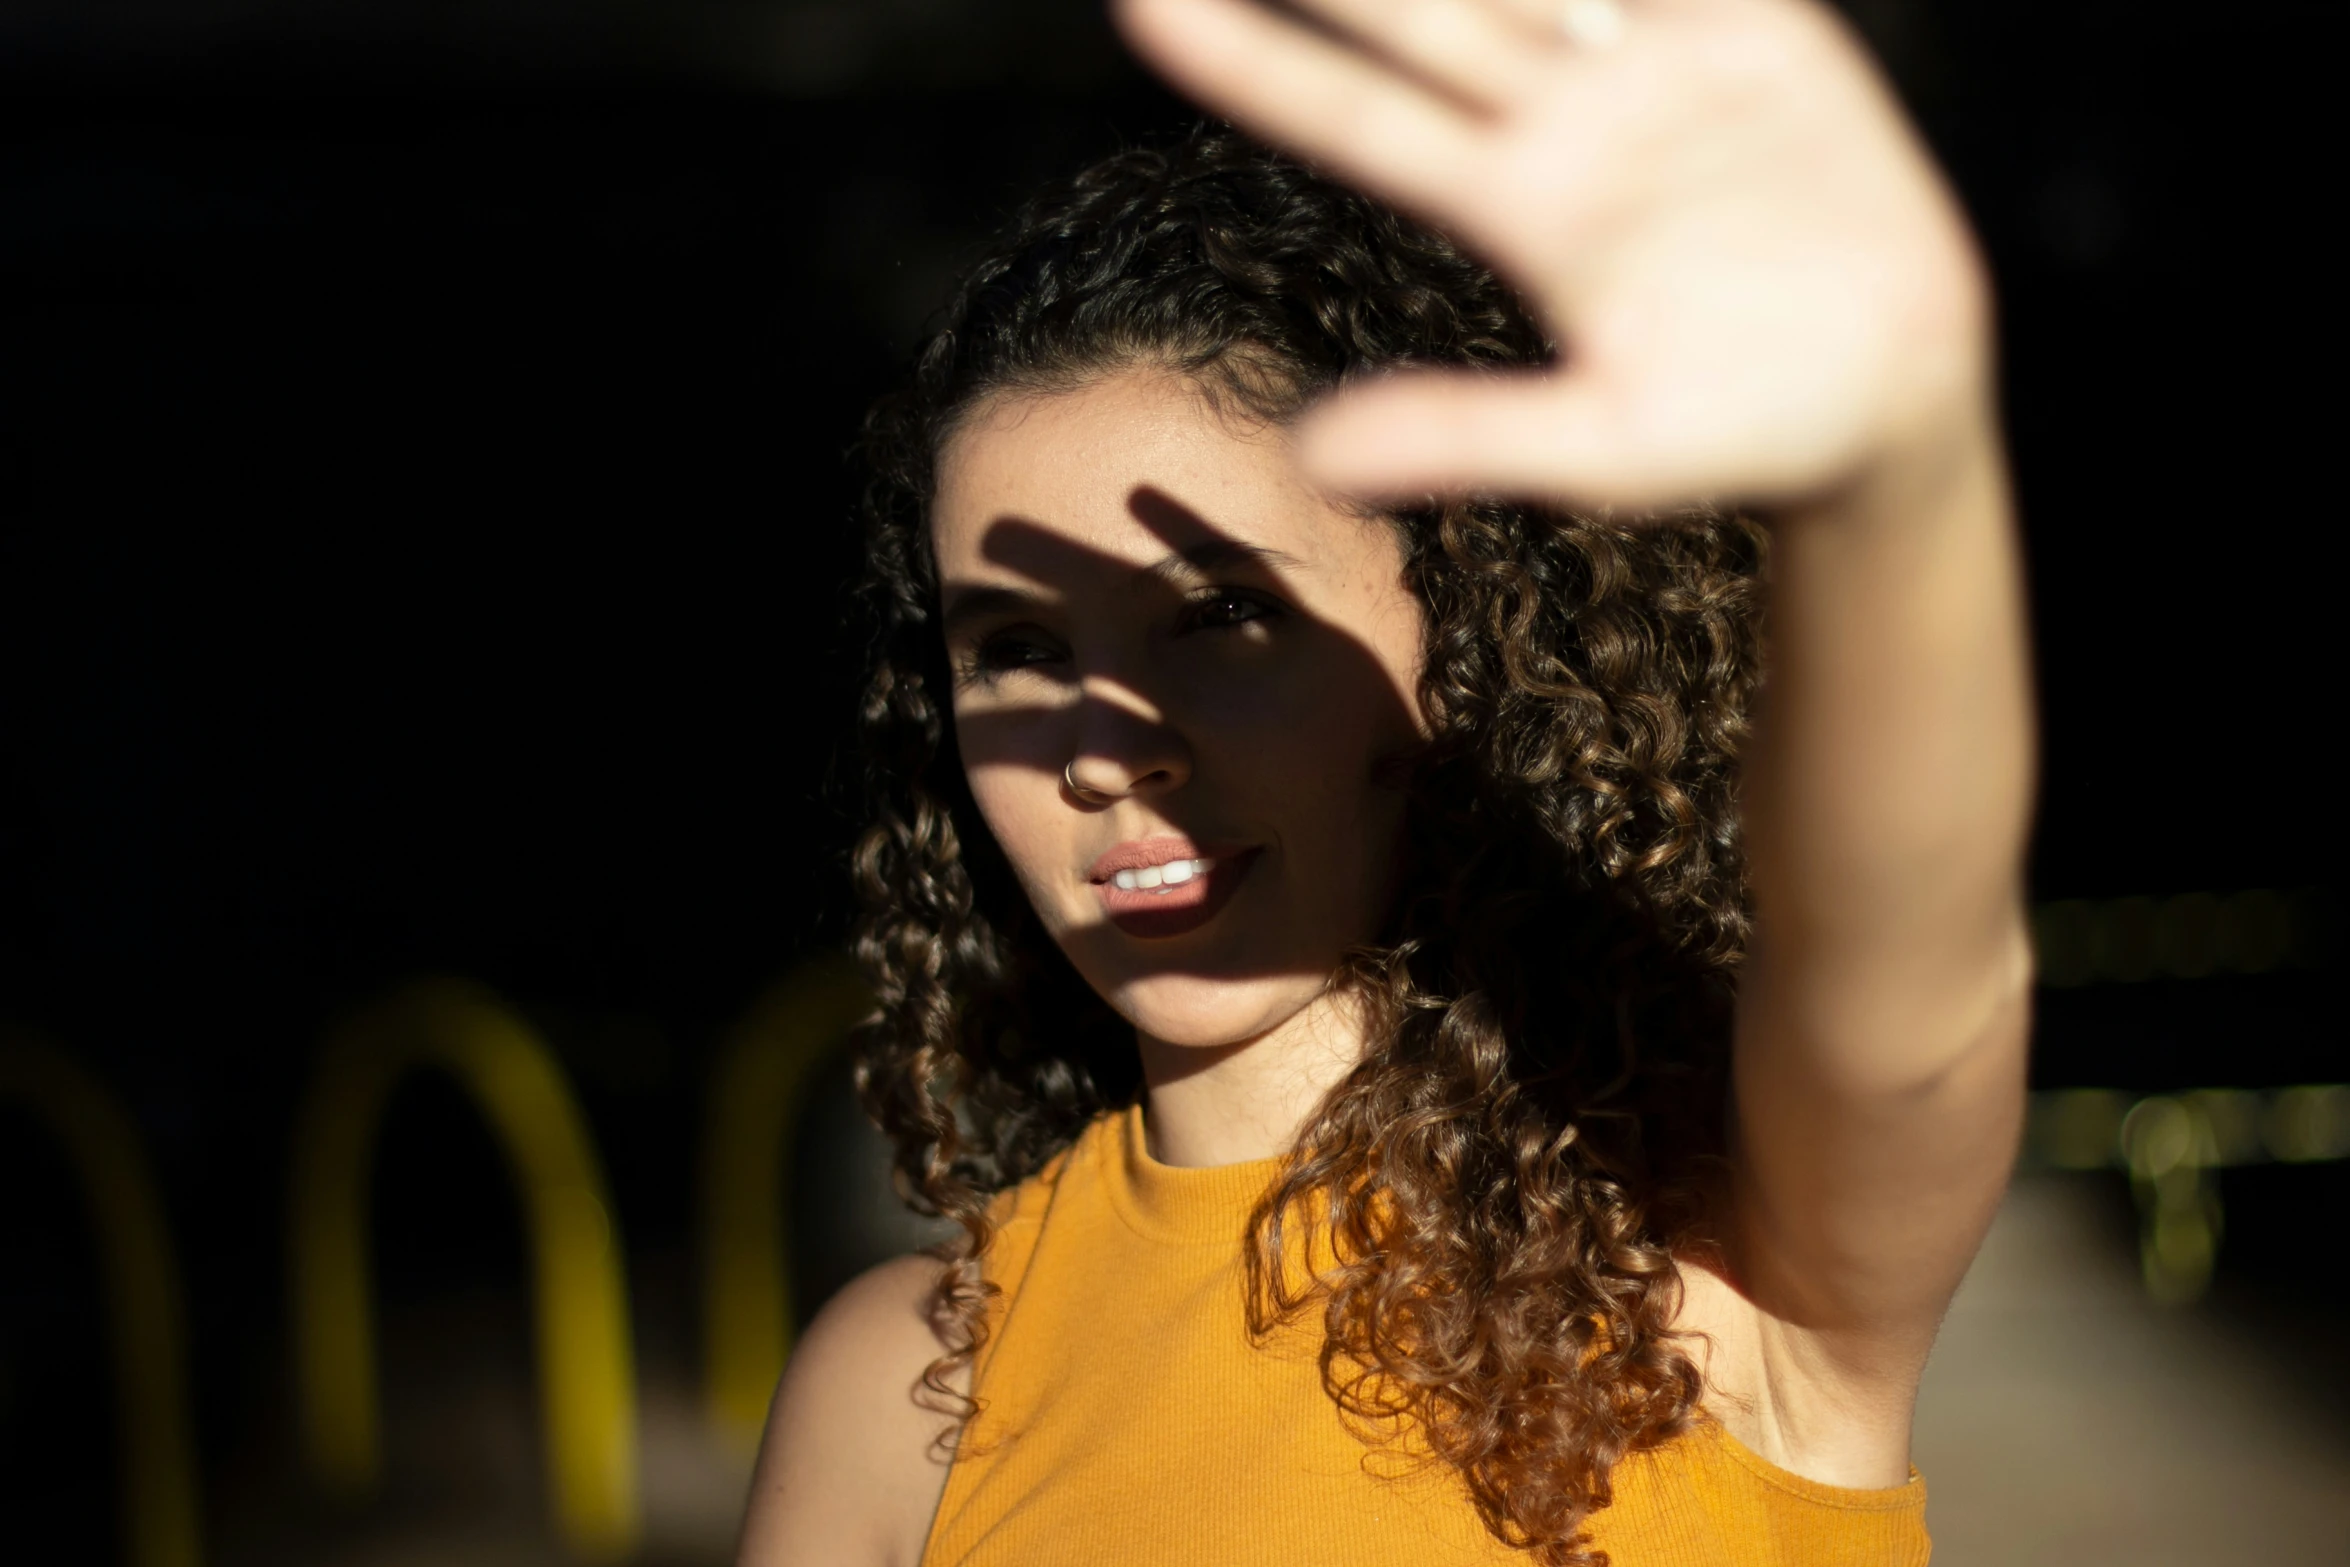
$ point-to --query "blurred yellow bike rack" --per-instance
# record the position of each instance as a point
(143, 1298)
(587, 1380)
(755, 1102)
(2173, 1146)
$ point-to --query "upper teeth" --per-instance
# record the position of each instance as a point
(1172, 874)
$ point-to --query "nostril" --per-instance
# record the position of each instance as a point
(1086, 793)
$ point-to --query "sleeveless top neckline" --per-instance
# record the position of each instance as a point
(1179, 1204)
(1127, 1415)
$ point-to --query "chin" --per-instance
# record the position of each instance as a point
(1208, 1012)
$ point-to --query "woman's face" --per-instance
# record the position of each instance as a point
(1144, 597)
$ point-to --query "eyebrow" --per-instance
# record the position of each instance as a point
(1212, 555)
(987, 601)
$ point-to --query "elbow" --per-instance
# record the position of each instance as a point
(1898, 1027)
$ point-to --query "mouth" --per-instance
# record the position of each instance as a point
(1167, 886)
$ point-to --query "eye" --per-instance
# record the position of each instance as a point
(1001, 652)
(1214, 608)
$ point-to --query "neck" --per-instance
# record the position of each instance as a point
(1224, 1104)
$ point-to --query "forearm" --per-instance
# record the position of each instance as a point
(1888, 794)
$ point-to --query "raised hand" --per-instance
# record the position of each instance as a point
(1761, 288)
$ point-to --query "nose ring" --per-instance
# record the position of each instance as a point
(1085, 795)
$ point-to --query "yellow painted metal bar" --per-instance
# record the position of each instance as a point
(2171, 1145)
(755, 1100)
(2171, 1149)
(2194, 935)
(587, 1377)
(2088, 1128)
(143, 1298)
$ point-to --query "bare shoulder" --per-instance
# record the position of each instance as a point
(849, 1471)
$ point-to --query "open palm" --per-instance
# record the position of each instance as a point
(1761, 288)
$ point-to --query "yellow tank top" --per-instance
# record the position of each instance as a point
(1127, 1418)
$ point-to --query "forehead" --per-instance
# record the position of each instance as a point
(1120, 473)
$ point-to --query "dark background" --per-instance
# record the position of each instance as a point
(423, 515)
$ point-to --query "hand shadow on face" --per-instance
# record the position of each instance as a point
(1198, 551)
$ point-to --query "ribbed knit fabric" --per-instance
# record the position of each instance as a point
(1128, 1419)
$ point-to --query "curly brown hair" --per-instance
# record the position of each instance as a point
(1534, 1128)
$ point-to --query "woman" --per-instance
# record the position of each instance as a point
(1430, 1067)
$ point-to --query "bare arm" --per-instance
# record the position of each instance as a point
(848, 1475)
(1884, 1012)
(1765, 294)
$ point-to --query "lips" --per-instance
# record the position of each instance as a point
(1173, 884)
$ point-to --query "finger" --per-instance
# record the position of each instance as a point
(1534, 434)
(1472, 50)
(1534, 15)
(1311, 94)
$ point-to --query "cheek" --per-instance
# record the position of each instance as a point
(1008, 754)
(1022, 810)
(1319, 727)
(1334, 761)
